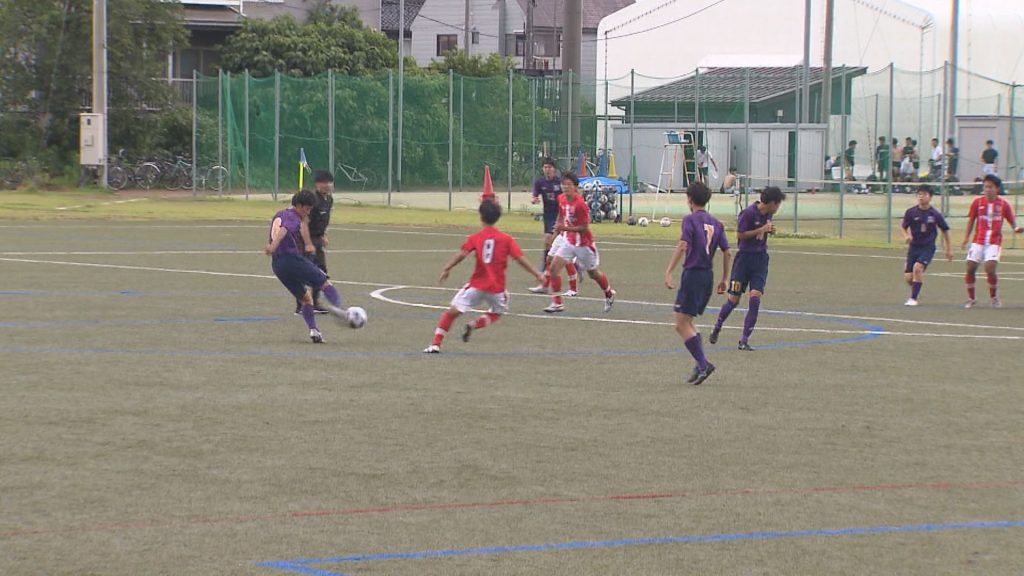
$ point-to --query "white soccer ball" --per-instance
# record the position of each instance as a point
(643, 221)
(666, 222)
(356, 317)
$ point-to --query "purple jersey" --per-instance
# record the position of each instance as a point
(703, 234)
(924, 225)
(292, 242)
(751, 218)
(548, 190)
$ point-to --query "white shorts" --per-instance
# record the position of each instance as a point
(979, 252)
(468, 298)
(988, 169)
(586, 257)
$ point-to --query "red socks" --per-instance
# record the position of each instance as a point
(444, 323)
(602, 281)
(969, 280)
(570, 269)
(556, 288)
(993, 282)
(485, 320)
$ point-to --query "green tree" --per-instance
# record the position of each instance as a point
(333, 38)
(46, 70)
(478, 66)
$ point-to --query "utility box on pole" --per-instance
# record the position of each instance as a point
(91, 140)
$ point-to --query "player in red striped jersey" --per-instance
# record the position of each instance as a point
(574, 226)
(988, 211)
(493, 248)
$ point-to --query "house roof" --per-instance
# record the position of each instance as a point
(727, 84)
(389, 14)
(212, 18)
(551, 13)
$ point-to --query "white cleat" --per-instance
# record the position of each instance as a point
(970, 303)
(609, 301)
(996, 303)
(316, 336)
(539, 289)
(910, 302)
(432, 349)
(570, 293)
(554, 309)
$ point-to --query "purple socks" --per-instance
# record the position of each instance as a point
(915, 289)
(697, 351)
(332, 295)
(751, 319)
(723, 314)
(307, 315)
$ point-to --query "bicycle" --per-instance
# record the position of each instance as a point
(353, 175)
(14, 172)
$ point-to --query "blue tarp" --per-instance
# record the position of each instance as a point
(604, 183)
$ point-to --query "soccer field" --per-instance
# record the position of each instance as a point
(165, 413)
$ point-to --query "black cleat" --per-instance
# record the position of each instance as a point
(703, 374)
(320, 310)
(745, 347)
(693, 375)
(298, 309)
(714, 336)
(467, 331)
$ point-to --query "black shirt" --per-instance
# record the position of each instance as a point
(989, 155)
(320, 215)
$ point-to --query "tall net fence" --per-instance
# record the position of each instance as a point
(426, 140)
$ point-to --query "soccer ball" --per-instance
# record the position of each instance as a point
(631, 221)
(666, 222)
(356, 317)
(643, 221)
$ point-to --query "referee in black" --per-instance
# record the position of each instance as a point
(319, 219)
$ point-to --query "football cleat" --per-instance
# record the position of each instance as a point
(693, 375)
(970, 303)
(554, 309)
(570, 293)
(703, 374)
(321, 310)
(609, 301)
(996, 303)
(745, 347)
(539, 289)
(467, 331)
(298, 309)
(316, 336)
(432, 349)
(714, 336)
(910, 302)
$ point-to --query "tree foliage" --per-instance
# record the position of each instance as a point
(46, 70)
(333, 38)
(465, 65)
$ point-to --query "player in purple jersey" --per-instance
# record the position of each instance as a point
(921, 225)
(750, 268)
(702, 234)
(292, 268)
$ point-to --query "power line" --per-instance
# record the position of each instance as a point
(662, 25)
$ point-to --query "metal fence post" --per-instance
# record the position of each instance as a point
(247, 163)
(568, 123)
(696, 118)
(796, 152)
(533, 124)
(451, 132)
(746, 130)
(462, 130)
(277, 132)
(391, 123)
(943, 127)
(227, 94)
(195, 126)
(632, 145)
(509, 140)
(842, 148)
(330, 120)
(1016, 158)
(892, 103)
(220, 124)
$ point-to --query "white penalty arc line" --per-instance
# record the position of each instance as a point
(100, 204)
(379, 295)
(623, 321)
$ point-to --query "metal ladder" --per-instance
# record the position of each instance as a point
(678, 149)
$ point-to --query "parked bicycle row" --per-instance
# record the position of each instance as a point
(176, 174)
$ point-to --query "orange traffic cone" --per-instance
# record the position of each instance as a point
(582, 172)
(488, 193)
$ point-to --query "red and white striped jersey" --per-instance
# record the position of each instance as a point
(990, 215)
(575, 213)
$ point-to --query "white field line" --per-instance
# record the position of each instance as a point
(100, 204)
(253, 252)
(390, 286)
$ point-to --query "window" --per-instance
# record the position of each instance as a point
(447, 43)
(476, 37)
(520, 45)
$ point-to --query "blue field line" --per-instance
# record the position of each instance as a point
(301, 565)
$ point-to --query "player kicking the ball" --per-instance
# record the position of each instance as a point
(988, 211)
(751, 265)
(702, 235)
(921, 225)
(293, 269)
(577, 242)
(493, 248)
